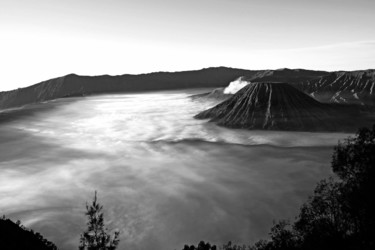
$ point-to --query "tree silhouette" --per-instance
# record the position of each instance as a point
(230, 246)
(201, 246)
(354, 163)
(96, 236)
(341, 212)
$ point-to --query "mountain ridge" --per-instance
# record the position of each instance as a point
(349, 87)
(76, 85)
(343, 87)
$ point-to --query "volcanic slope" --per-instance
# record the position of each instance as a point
(280, 106)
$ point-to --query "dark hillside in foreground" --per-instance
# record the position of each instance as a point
(13, 236)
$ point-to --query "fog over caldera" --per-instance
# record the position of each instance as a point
(164, 178)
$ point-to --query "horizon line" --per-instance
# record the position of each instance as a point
(181, 71)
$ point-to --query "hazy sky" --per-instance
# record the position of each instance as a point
(42, 39)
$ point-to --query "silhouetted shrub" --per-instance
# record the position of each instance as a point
(230, 246)
(201, 246)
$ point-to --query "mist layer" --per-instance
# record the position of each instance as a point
(164, 178)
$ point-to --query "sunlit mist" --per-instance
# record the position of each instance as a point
(164, 178)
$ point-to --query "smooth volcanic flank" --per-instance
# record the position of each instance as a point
(279, 106)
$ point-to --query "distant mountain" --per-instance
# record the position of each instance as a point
(342, 87)
(349, 87)
(292, 76)
(75, 85)
(280, 106)
(216, 94)
(324, 86)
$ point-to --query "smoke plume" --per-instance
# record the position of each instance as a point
(236, 85)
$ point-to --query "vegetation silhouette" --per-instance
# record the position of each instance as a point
(341, 212)
(96, 236)
(15, 236)
(229, 246)
(201, 246)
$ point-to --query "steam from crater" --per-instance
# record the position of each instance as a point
(236, 85)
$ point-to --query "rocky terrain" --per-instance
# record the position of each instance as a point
(280, 106)
(336, 87)
(342, 87)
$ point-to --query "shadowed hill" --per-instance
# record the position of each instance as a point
(74, 85)
(13, 236)
(292, 76)
(279, 106)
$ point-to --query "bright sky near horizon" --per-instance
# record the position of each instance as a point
(43, 39)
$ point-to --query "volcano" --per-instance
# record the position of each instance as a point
(280, 106)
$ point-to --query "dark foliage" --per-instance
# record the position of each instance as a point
(201, 246)
(230, 246)
(96, 236)
(341, 212)
(14, 236)
(354, 163)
